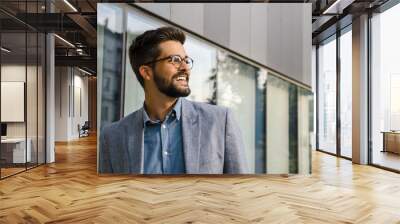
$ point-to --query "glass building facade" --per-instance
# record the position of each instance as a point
(274, 113)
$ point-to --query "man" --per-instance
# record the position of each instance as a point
(169, 134)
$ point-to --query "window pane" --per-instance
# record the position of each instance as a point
(109, 26)
(305, 128)
(236, 82)
(281, 126)
(386, 89)
(327, 97)
(346, 94)
(204, 69)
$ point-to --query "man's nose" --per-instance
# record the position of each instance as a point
(184, 67)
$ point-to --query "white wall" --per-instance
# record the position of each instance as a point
(70, 84)
(81, 84)
(276, 35)
(33, 125)
(61, 103)
(12, 100)
(17, 73)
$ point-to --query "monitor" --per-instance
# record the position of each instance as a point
(3, 129)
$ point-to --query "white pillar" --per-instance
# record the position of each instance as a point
(50, 100)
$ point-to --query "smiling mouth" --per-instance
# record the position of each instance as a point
(182, 79)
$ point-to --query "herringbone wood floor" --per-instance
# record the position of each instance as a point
(70, 191)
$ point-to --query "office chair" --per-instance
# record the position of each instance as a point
(84, 130)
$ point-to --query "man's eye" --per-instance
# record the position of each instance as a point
(176, 59)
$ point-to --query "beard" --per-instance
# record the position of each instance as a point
(172, 87)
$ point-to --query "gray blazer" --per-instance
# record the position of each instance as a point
(212, 142)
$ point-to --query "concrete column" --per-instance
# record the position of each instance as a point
(50, 99)
(360, 90)
(50, 93)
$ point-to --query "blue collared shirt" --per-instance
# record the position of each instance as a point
(163, 151)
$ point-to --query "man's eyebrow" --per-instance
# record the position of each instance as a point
(185, 56)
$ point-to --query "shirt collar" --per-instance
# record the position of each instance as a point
(177, 110)
(146, 117)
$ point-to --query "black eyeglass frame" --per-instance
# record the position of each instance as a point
(170, 58)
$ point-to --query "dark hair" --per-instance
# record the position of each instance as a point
(145, 47)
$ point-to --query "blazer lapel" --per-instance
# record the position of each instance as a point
(134, 130)
(191, 136)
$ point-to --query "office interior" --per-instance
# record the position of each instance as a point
(48, 82)
(338, 126)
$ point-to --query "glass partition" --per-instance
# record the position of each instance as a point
(274, 113)
(22, 92)
(15, 151)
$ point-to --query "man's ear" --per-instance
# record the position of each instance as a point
(146, 72)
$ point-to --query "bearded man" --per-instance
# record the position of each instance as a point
(170, 134)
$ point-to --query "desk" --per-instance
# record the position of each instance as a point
(15, 148)
(391, 141)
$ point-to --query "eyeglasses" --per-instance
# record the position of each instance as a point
(175, 60)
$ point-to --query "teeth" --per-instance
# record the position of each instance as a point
(181, 78)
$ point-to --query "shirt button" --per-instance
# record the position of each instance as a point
(164, 126)
(166, 153)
